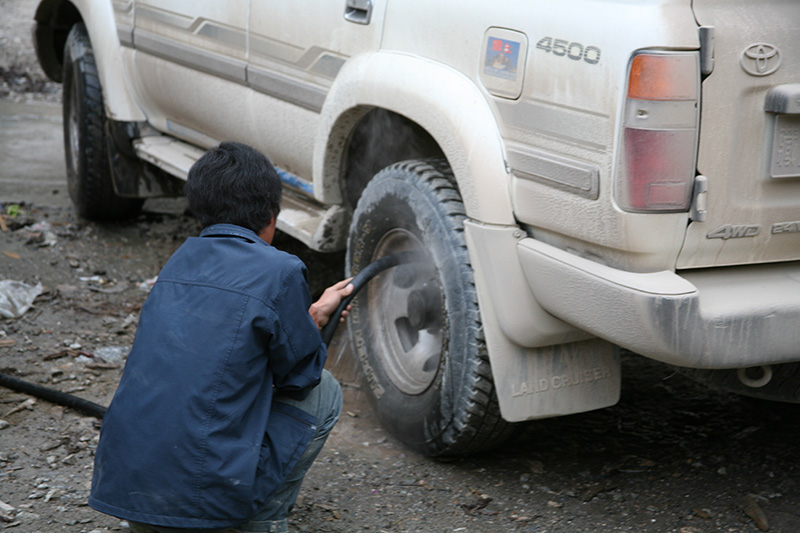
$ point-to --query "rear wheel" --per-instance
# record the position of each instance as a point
(88, 171)
(416, 328)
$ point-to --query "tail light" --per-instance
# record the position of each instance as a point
(656, 168)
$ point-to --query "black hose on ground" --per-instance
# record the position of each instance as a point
(96, 410)
(52, 395)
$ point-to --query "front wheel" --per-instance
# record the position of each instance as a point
(88, 171)
(416, 329)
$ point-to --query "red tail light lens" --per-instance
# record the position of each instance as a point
(656, 161)
(656, 168)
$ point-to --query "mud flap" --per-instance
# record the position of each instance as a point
(572, 374)
(132, 177)
(554, 380)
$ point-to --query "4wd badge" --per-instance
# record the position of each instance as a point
(502, 62)
(739, 231)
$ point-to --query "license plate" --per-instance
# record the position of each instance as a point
(785, 162)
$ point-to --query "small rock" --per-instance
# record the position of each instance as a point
(67, 290)
(536, 467)
(705, 514)
(4, 424)
(27, 517)
(555, 505)
(27, 404)
(754, 511)
(147, 284)
(122, 328)
(6, 508)
(112, 354)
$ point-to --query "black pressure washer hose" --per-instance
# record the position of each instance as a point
(96, 410)
(52, 395)
(361, 279)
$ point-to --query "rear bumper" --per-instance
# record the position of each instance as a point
(714, 318)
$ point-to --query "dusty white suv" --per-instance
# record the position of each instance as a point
(582, 175)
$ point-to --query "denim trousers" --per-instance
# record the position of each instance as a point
(323, 402)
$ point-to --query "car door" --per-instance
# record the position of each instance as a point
(296, 50)
(190, 67)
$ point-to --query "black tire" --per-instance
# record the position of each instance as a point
(774, 382)
(88, 171)
(426, 370)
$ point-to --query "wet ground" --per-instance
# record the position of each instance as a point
(671, 456)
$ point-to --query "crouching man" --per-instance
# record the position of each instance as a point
(224, 404)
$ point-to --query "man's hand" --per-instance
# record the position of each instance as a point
(321, 309)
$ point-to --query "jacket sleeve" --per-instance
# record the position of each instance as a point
(296, 352)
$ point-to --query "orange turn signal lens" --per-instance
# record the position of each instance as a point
(664, 77)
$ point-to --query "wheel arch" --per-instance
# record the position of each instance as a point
(55, 18)
(450, 118)
(379, 139)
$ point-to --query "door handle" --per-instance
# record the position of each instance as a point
(358, 11)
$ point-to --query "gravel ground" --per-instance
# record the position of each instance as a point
(671, 456)
(21, 79)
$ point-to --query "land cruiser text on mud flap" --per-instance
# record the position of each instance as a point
(581, 176)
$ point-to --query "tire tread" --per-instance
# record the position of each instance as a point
(477, 425)
(91, 186)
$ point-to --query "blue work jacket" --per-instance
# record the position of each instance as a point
(192, 438)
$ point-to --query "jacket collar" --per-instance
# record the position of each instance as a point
(230, 230)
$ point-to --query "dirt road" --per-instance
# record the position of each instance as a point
(671, 456)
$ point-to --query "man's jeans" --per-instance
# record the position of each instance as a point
(323, 402)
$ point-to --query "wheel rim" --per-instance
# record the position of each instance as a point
(74, 124)
(406, 312)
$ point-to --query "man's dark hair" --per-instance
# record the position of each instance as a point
(234, 184)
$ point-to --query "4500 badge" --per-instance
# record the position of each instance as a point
(572, 50)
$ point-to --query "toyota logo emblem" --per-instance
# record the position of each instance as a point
(760, 59)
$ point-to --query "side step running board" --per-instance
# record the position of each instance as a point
(168, 154)
(319, 227)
